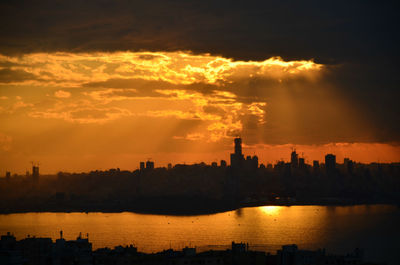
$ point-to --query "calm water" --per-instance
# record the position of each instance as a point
(339, 229)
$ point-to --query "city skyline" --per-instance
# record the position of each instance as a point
(237, 160)
(291, 156)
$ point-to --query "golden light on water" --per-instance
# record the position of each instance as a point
(272, 226)
(270, 210)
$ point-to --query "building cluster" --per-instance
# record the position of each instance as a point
(330, 164)
(237, 158)
(250, 163)
(35, 251)
(34, 175)
(148, 165)
(239, 162)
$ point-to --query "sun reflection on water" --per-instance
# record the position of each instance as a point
(270, 210)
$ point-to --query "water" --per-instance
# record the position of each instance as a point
(374, 228)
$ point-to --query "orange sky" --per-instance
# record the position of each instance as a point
(87, 111)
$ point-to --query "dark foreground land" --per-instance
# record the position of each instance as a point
(201, 189)
(37, 251)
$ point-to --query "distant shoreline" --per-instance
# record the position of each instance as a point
(187, 212)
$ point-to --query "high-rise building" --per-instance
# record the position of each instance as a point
(315, 164)
(35, 173)
(255, 161)
(237, 158)
(330, 162)
(348, 165)
(238, 146)
(142, 166)
(223, 163)
(251, 163)
(149, 165)
(302, 163)
(294, 159)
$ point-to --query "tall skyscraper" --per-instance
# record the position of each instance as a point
(294, 159)
(330, 162)
(142, 166)
(237, 158)
(35, 173)
(255, 161)
(302, 163)
(149, 165)
(315, 164)
(348, 165)
(238, 146)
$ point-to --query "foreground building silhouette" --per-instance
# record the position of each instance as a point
(38, 251)
(238, 162)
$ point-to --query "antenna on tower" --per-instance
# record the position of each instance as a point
(35, 170)
(35, 164)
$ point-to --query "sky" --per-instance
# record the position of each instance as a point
(88, 85)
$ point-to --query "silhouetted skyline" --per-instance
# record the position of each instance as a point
(238, 161)
(204, 188)
(38, 251)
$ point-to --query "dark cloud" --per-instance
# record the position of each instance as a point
(143, 88)
(129, 83)
(149, 87)
(298, 110)
(88, 114)
(330, 32)
(8, 76)
(214, 110)
(305, 113)
(8, 64)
